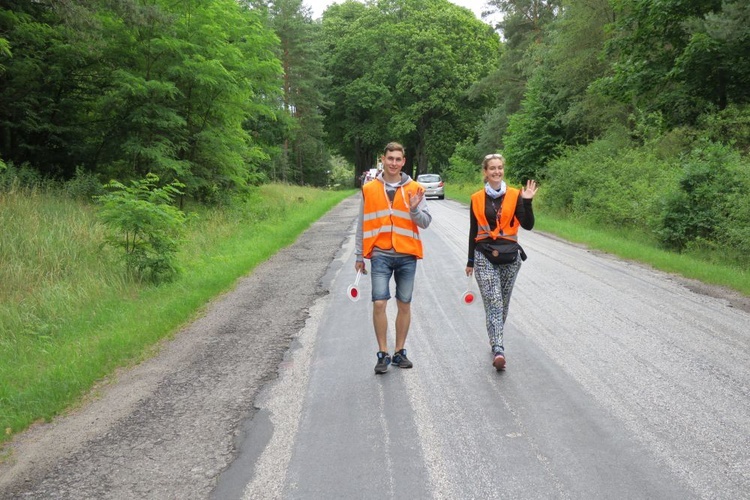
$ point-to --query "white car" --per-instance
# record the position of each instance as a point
(433, 185)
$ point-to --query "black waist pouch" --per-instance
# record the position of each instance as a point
(502, 253)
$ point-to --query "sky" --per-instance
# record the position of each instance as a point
(318, 6)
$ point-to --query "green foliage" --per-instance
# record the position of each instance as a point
(302, 158)
(524, 26)
(402, 70)
(730, 126)
(571, 59)
(4, 52)
(341, 174)
(679, 57)
(464, 166)
(734, 226)
(713, 66)
(83, 186)
(532, 135)
(145, 226)
(25, 177)
(491, 130)
(126, 88)
(609, 182)
(711, 207)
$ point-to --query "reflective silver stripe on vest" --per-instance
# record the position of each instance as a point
(384, 213)
(377, 215)
(402, 214)
(406, 232)
(375, 232)
(484, 228)
(391, 229)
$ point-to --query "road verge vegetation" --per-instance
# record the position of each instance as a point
(69, 313)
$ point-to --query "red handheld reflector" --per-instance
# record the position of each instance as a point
(468, 296)
(353, 292)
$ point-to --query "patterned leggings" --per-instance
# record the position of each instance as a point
(495, 285)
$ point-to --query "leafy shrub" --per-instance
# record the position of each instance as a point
(145, 225)
(463, 168)
(83, 186)
(730, 125)
(12, 177)
(711, 207)
(609, 182)
(734, 228)
(341, 174)
(690, 213)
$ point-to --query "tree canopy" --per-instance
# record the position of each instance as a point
(402, 70)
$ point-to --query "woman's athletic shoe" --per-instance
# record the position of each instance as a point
(499, 361)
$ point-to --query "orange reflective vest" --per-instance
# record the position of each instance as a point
(389, 226)
(507, 213)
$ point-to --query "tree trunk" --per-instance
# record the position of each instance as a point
(363, 157)
(421, 149)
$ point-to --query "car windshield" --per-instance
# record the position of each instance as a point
(428, 178)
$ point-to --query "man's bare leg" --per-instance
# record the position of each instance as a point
(403, 320)
(380, 322)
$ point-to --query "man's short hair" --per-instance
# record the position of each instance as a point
(394, 146)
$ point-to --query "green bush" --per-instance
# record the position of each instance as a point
(711, 207)
(734, 228)
(609, 182)
(83, 186)
(690, 213)
(145, 225)
(12, 177)
(341, 174)
(730, 125)
(570, 175)
(463, 167)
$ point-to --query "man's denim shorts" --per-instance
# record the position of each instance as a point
(402, 268)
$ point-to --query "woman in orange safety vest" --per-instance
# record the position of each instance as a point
(496, 213)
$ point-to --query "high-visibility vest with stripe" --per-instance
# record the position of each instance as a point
(507, 213)
(389, 225)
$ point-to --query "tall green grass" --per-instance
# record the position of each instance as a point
(629, 244)
(68, 317)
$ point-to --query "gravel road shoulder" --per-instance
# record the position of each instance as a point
(166, 428)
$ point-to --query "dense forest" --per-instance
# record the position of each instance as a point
(629, 112)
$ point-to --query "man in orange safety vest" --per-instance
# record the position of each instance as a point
(393, 209)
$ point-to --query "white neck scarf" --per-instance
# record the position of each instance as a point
(495, 194)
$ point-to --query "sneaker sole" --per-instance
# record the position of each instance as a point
(499, 363)
(380, 371)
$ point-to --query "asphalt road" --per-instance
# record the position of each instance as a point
(622, 382)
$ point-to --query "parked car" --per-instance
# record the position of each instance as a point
(433, 185)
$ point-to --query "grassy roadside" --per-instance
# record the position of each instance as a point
(67, 317)
(629, 245)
